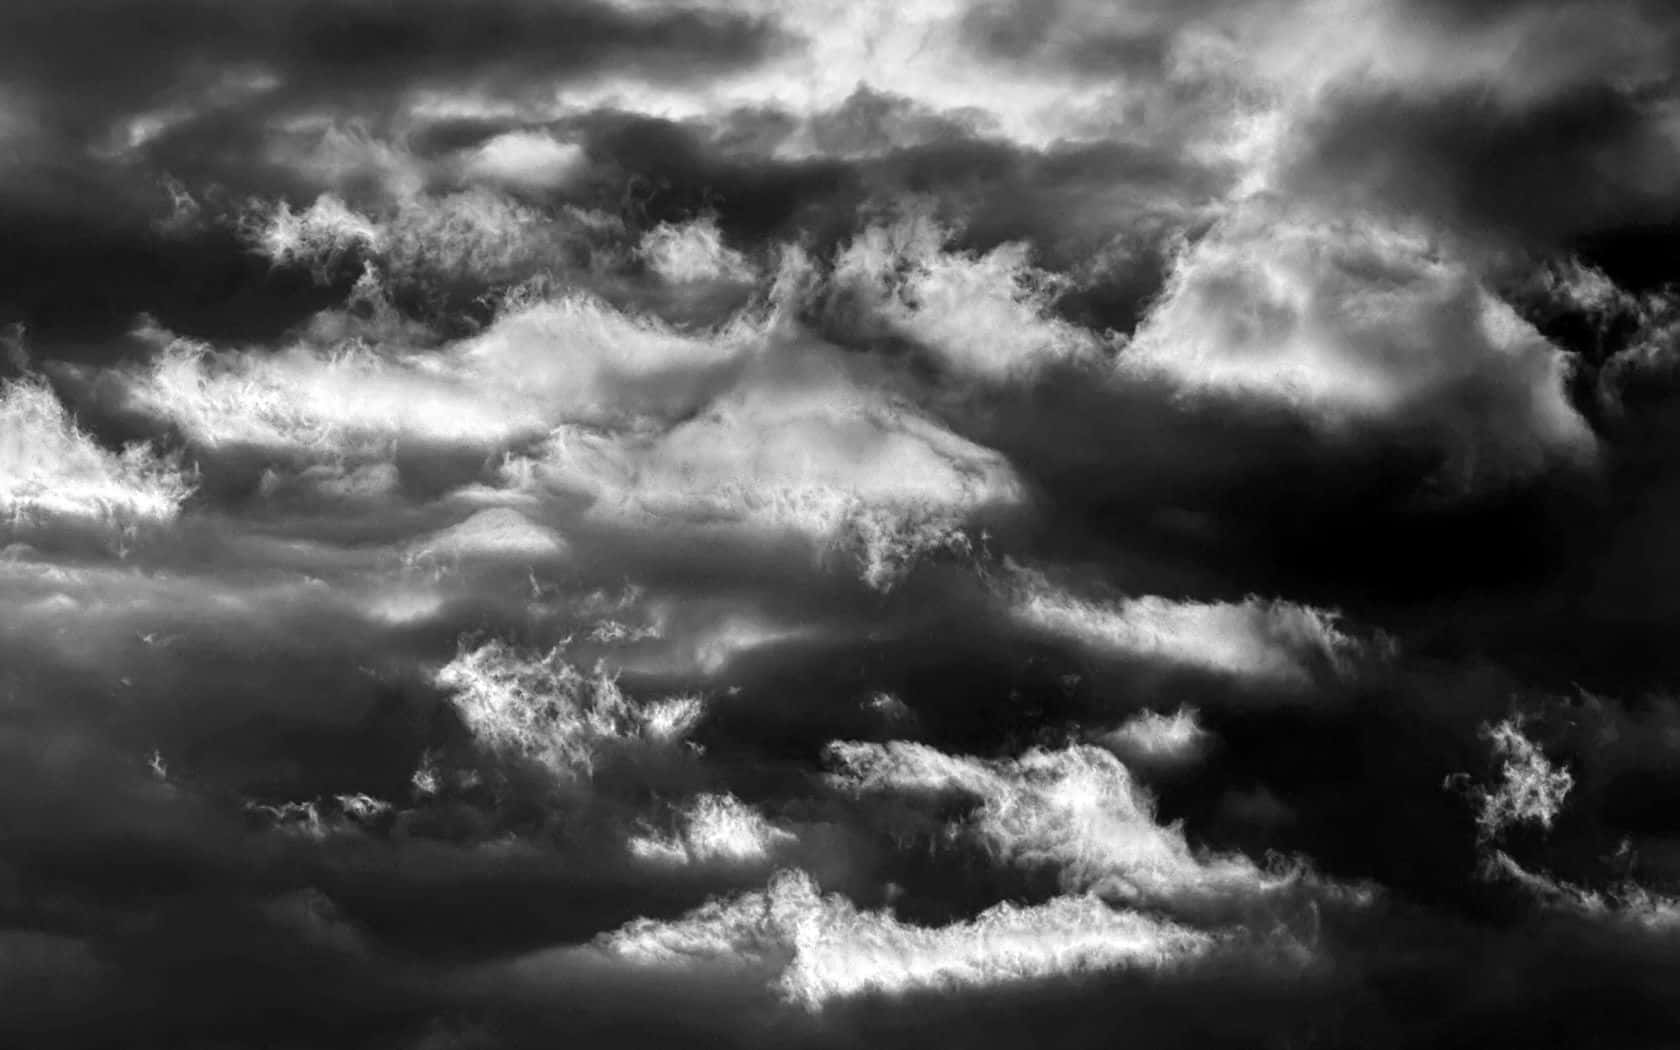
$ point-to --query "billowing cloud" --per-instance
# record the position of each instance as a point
(816, 948)
(693, 252)
(541, 709)
(1352, 322)
(526, 159)
(57, 475)
(566, 359)
(714, 829)
(1529, 787)
(477, 236)
(1275, 642)
(1154, 739)
(1077, 811)
(987, 317)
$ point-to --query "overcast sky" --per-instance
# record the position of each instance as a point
(839, 523)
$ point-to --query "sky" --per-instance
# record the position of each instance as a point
(839, 523)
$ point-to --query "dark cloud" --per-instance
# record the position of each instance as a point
(813, 525)
(89, 64)
(1588, 160)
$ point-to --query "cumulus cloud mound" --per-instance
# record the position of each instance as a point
(985, 317)
(1351, 320)
(1270, 641)
(800, 448)
(51, 471)
(1077, 811)
(754, 426)
(540, 708)
(714, 829)
(817, 949)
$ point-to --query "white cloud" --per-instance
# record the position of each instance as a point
(499, 533)
(1530, 788)
(542, 362)
(53, 473)
(320, 236)
(1272, 641)
(817, 949)
(985, 316)
(477, 234)
(540, 708)
(693, 252)
(918, 50)
(798, 448)
(1627, 904)
(527, 159)
(320, 819)
(1151, 738)
(756, 427)
(337, 153)
(1076, 810)
(1350, 321)
(714, 829)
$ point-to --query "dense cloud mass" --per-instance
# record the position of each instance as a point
(839, 522)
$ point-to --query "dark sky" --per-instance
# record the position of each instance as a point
(839, 523)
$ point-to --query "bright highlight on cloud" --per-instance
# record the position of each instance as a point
(53, 473)
(1352, 320)
(1271, 642)
(1076, 811)
(817, 948)
(1152, 738)
(987, 317)
(1529, 789)
(541, 709)
(799, 448)
(714, 829)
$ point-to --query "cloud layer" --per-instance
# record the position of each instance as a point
(820, 523)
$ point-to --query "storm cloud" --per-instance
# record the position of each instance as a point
(826, 523)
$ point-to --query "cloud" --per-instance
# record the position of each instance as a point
(1530, 788)
(817, 949)
(798, 448)
(53, 474)
(1269, 642)
(714, 829)
(1076, 811)
(499, 533)
(569, 358)
(476, 237)
(1154, 739)
(1524, 122)
(1627, 907)
(540, 709)
(1353, 323)
(693, 252)
(312, 53)
(526, 159)
(914, 51)
(986, 317)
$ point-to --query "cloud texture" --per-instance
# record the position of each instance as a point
(828, 523)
